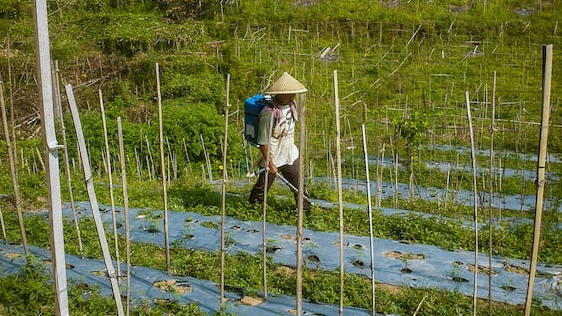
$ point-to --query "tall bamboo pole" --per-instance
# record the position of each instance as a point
(125, 210)
(546, 87)
(3, 225)
(491, 196)
(110, 181)
(88, 179)
(339, 186)
(223, 190)
(163, 170)
(300, 202)
(370, 209)
(207, 160)
(58, 107)
(264, 209)
(13, 170)
(475, 194)
(50, 149)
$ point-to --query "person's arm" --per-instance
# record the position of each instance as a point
(272, 166)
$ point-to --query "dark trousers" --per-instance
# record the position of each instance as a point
(290, 172)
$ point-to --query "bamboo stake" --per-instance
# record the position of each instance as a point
(264, 209)
(126, 211)
(110, 180)
(339, 186)
(58, 102)
(207, 160)
(547, 79)
(300, 202)
(163, 170)
(371, 240)
(475, 192)
(188, 162)
(50, 150)
(13, 171)
(396, 181)
(40, 158)
(223, 191)
(491, 196)
(3, 225)
(93, 200)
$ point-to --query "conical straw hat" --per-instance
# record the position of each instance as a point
(286, 84)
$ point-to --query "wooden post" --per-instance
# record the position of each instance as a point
(371, 240)
(163, 170)
(475, 193)
(339, 186)
(546, 87)
(300, 203)
(50, 149)
(491, 195)
(58, 106)
(93, 200)
(125, 210)
(110, 181)
(13, 171)
(223, 190)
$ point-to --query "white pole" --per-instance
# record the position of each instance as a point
(110, 179)
(51, 147)
(88, 179)
(475, 193)
(371, 240)
(125, 210)
(339, 186)
(163, 170)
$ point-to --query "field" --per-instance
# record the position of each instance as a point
(406, 70)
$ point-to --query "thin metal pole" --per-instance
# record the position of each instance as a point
(58, 106)
(13, 170)
(371, 240)
(50, 149)
(491, 195)
(93, 200)
(110, 181)
(126, 211)
(339, 186)
(163, 170)
(475, 193)
(546, 87)
(223, 190)
(300, 203)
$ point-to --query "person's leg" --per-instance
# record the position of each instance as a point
(258, 191)
(291, 173)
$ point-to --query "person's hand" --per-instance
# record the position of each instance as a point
(272, 168)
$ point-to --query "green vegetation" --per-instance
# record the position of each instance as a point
(403, 69)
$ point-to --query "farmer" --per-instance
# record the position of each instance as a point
(283, 154)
